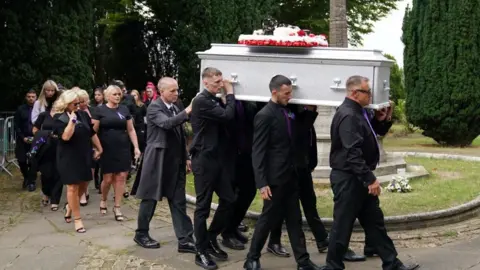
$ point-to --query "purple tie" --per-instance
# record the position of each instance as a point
(288, 122)
(365, 114)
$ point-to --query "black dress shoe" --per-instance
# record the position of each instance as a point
(309, 266)
(187, 247)
(232, 243)
(242, 227)
(351, 256)
(408, 266)
(31, 187)
(252, 265)
(369, 251)
(204, 260)
(278, 250)
(215, 251)
(241, 237)
(322, 246)
(146, 241)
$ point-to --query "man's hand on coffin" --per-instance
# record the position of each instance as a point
(188, 110)
(227, 85)
(385, 113)
(266, 193)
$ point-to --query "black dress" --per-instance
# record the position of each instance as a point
(140, 127)
(47, 163)
(113, 135)
(75, 156)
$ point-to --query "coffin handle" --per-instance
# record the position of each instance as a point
(293, 78)
(336, 85)
(233, 78)
(386, 86)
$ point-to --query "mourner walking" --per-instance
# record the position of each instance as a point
(164, 168)
(211, 165)
(354, 156)
(273, 156)
(23, 130)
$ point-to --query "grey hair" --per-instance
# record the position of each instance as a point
(210, 72)
(165, 82)
(355, 82)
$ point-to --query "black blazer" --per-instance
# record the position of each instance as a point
(354, 147)
(273, 149)
(209, 119)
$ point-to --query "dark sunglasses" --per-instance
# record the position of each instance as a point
(76, 104)
(368, 92)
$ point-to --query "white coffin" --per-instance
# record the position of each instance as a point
(318, 74)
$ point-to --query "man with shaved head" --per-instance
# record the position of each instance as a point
(163, 172)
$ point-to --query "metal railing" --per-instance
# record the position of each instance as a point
(7, 144)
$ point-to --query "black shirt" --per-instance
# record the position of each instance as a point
(22, 121)
(354, 146)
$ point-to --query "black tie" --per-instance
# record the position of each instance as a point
(172, 110)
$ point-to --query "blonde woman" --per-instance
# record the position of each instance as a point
(74, 152)
(47, 97)
(114, 125)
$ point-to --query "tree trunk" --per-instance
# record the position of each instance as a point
(338, 24)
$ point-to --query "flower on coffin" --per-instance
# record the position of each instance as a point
(399, 183)
(301, 33)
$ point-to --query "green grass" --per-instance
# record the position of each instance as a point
(451, 183)
(397, 140)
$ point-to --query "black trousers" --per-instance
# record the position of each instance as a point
(284, 203)
(309, 206)
(29, 174)
(182, 224)
(51, 184)
(245, 191)
(211, 175)
(352, 201)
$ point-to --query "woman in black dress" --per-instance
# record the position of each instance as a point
(74, 152)
(47, 163)
(114, 125)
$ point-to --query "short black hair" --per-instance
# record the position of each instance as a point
(118, 83)
(277, 81)
(31, 91)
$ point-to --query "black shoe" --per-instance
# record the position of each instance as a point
(252, 265)
(24, 184)
(241, 237)
(232, 243)
(309, 266)
(369, 251)
(408, 266)
(187, 247)
(31, 187)
(215, 251)
(242, 227)
(351, 256)
(322, 246)
(204, 260)
(146, 241)
(278, 250)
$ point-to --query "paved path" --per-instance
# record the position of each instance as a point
(42, 240)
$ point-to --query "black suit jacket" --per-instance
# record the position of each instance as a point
(209, 119)
(354, 147)
(273, 156)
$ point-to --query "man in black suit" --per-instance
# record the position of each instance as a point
(211, 164)
(354, 156)
(244, 182)
(23, 131)
(273, 156)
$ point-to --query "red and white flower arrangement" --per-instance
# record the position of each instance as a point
(284, 37)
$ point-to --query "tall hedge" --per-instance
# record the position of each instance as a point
(442, 69)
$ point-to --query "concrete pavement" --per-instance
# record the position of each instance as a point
(42, 240)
